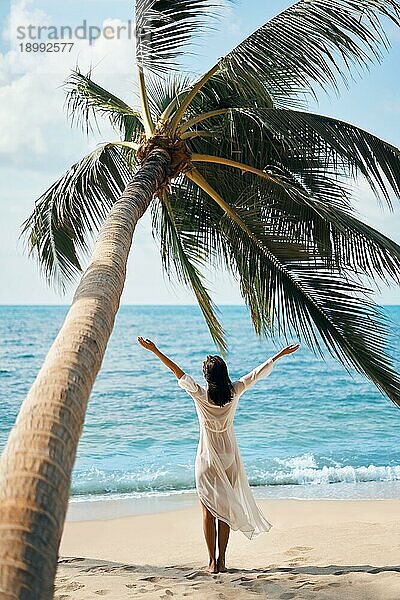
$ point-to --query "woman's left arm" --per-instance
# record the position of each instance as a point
(149, 345)
(288, 350)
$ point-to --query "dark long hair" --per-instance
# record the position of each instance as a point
(220, 388)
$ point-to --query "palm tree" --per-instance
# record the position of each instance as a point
(238, 174)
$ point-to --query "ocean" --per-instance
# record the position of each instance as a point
(309, 430)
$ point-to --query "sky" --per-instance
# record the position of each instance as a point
(38, 143)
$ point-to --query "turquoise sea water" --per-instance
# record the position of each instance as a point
(307, 430)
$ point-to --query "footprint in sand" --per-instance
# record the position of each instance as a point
(102, 592)
(304, 584)
(302, 555)
(74, 586)
(296, 549)
(325, 586)
(196, 574)
(130, 585)
(299, 550)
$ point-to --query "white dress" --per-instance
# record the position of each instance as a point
(221, 479)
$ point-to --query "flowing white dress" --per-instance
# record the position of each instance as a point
(221, 479)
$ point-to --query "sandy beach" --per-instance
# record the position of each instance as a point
(325, 549)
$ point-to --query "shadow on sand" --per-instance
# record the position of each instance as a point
(273, 581)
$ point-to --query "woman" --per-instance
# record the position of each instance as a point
(221, 481)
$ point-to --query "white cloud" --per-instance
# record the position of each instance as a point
(32, 118)
(23, 14)
(37, 145)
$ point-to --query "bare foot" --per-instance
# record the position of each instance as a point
(221, 565)
(212, 567)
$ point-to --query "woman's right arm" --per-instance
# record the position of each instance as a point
(149, 345)
(266, 367)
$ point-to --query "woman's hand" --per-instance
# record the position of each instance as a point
(148, 344)
(289, 349)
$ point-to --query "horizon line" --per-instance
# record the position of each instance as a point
(142, 305)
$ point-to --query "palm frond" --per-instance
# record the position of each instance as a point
(290, 291)
(261, 137)
(193, 214)
(305, 298)
(223, 91)
(162, 90)
(181, 254)
(311, 42)
(341, 240)
(351, 150)
(70, 212)
(313, 215)
(165, 27)
(310, 154)
(319, 205)
(86, 100)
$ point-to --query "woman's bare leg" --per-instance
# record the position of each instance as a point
(210, 534)
(223, 528)
(223, 537)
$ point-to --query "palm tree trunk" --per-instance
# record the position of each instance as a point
(36, 464)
